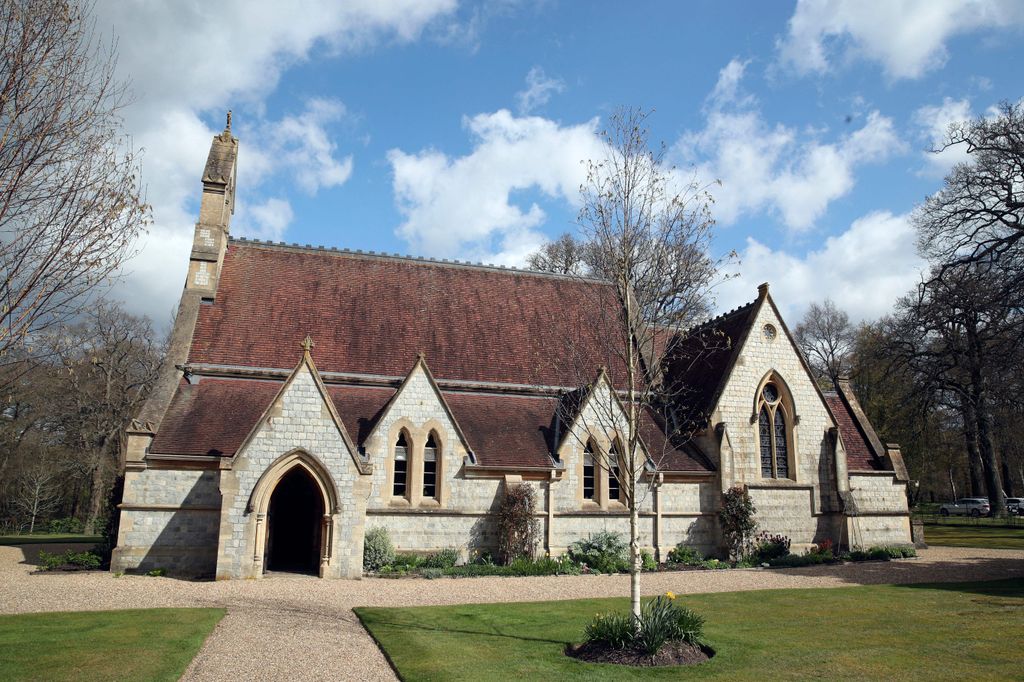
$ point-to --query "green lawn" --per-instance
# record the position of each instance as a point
(991, 537)
(48, 538)
(150, 644)
(950, 631)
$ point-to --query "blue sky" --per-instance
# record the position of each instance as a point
(457, 130)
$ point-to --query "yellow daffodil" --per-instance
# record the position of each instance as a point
(670, 595)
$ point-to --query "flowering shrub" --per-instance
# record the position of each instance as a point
(378, 551)
(824, 548)
(768, 546)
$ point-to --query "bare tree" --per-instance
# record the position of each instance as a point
(647, 231)
(826, 337)
(978, 215)
(566, 255)
(956, 331)
(37, 491)
(70, 204)
(105, 367)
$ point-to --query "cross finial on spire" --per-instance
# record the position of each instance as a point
(228, 126)
(307, 344)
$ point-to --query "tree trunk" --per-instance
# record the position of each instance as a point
(952, 483)
(974, 466)
(1007, 478)
(96, 497)
(996, 499)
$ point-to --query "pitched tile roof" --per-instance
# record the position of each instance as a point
(668, 456)
(860, 455)
(213, 417)
(506, 430)
(373, 315)
(359, 407)
(699, 363)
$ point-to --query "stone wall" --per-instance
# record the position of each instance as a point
(881, 507)
(170, 520)
(298, 421)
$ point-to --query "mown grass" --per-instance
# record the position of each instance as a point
(47, 538)
(145, 644)
(947, 631)
(964, 535)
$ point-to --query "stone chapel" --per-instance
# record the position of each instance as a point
(311, 393)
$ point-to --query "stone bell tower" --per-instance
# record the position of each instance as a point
(218, 204)
(209, 243)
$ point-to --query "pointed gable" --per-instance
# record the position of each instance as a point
(700, 361)
(419, 385)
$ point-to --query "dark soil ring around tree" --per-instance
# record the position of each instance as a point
(671, 653)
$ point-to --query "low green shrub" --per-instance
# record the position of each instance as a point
(604, 552)
(69, 559)
(647, 561)
(446, 558)
(431, 572)
(157, 573)
(686, 555)
(613, 630)
(378, 551)
(714, 564)
(65, 526)
(407, 561)
(661, 620)
(523, 566)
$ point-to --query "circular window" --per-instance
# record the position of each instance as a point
(770, 393)
(770, 332)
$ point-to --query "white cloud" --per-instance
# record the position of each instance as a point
(933, 122)
(462, 206)
(907, 37)
(266, 220)
(766, 167)
(727, 87)
(864, 270)
(185, 60)
(301, 144)
(539, 89)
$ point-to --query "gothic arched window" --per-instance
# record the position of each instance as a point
(398, 487)
(589, 470)
(773, 433)
(430, 457)
(614, 489)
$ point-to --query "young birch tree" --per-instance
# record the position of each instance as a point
(646, 231)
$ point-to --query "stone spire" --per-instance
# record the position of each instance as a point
(218, 204)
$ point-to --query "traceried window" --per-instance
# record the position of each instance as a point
(614, 489)
(430, 467)
(588, 471)
(773, 433)
(401, 466)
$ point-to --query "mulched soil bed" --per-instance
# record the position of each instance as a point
(671, 653)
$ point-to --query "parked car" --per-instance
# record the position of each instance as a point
(1015, 505)
(966, 506)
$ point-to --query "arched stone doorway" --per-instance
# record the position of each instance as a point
(295, 524)
(293, 509)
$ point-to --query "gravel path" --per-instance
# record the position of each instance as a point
(286, 626)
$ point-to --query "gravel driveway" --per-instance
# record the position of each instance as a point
(299, 627)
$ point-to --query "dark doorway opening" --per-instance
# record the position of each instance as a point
(294, 522)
